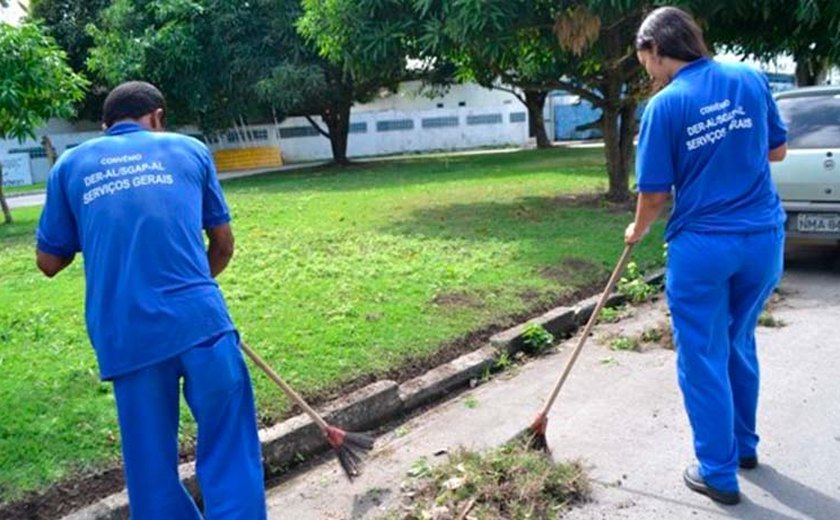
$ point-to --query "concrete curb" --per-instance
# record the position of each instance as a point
(562, 321)
(439, 381)
(376, 403)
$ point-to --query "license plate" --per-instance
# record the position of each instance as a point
(818, 223)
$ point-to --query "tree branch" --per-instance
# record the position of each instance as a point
(510, 91)
(580, 91)
(630, 16)
(630, 66)
(316, 127)
(592, 125)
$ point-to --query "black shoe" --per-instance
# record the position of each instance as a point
(748, 462)
(696, 483)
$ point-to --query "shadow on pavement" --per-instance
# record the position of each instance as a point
(795, 495)
(810, 258)
(807, 501)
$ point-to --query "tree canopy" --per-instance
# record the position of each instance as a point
(363, 46)
(224, 62)
(503, 44)
(207, 55)
(808, 30)
(604, 70)
(37, 85)
(66, 22)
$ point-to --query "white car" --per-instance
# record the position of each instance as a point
(808, 180)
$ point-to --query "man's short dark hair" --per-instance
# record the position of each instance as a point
(131, 100)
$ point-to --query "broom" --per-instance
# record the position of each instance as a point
(346, 445)
(536, 432)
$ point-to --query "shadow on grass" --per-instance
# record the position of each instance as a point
(574, 221)
(424, 170)
(21, 231)
(572, 239)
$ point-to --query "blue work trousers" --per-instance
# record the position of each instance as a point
(218, 391)
(717, 285)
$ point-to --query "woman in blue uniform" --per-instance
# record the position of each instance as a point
(707, 138)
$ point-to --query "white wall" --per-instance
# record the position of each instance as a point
(377, 140)
(61, 141)
(407, 104)
(470, 95)
(409, 97)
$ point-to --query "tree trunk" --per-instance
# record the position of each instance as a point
(535, 102)
(7, 214)
(626, 136)
(619, 128)
(337, 118)
(808, 71)
(619, 131)
(617, 191)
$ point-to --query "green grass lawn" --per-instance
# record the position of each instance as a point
(338, 274)
(38, 186)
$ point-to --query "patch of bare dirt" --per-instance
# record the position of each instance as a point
(661, 334)
(65, 497)
(595, 200)
(569, 268)
(530, 296)
(458, 299)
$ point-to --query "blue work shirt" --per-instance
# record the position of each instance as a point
(134, 202)
(707, 136)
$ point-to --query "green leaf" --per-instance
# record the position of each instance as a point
(37, 84)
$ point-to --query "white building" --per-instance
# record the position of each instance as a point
(466, 116)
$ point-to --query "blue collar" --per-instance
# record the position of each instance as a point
(126, 127)
(692, 66)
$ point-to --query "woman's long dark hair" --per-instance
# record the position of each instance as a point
(674, 33)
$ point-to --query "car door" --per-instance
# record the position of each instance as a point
(811, 171)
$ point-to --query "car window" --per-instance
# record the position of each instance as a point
(813, 121)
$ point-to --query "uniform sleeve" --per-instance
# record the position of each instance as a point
(776, 128)
(214, 209)
(654, 155)
(57, 232)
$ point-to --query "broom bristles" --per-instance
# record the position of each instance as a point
(348, 447)
(538, 442)
(350, 462)
(536, 439)
(360, 441)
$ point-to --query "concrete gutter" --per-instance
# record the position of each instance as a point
(378, 403)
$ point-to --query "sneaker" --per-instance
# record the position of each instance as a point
(696, 483)
(748, 462)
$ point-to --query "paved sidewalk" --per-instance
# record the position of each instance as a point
(37, 198)
(621, 413)
(26, 200)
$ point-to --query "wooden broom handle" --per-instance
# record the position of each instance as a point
(294, 396)
(616, 274)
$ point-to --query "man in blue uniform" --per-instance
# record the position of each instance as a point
(134, 202)
(709, 136)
